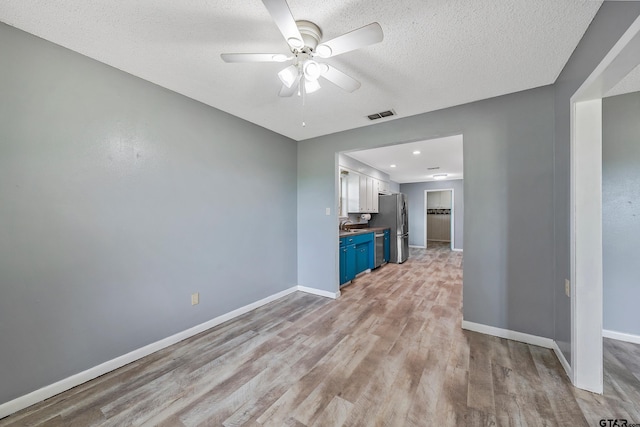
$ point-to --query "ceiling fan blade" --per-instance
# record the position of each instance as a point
(289, 91)
(254, 57)
(281, 14)
(340, 79)
(365, 36)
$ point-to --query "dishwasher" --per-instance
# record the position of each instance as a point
(379, 249)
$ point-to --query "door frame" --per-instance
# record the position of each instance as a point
(586, 210)
(453, 220)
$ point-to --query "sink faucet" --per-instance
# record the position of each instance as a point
(343, 224)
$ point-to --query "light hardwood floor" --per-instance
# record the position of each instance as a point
(389, 352)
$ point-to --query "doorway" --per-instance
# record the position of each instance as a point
(439, 223)
(586, 288)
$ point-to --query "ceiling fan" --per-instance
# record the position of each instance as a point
(304, 39)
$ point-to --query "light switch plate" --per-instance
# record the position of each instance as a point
(567, 287)
(195, 298)
(327, 211)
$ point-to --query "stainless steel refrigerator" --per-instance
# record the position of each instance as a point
(393, 212)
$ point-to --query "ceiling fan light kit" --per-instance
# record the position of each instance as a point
(311, 69)
(303, 38)
(289, 75)
(311, 86)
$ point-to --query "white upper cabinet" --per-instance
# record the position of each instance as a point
(439, 200)
(353, 193)
(445, 200)
(362, 194)
(384, 187)
(372, 195)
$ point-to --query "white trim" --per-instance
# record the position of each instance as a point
(320, 292)
(453, 219)
(65, 384)
(585, 212)
(457, 250)
(618, 62)
(417, 247)
(621, 336)
(586, 236)
(563, 360)
(508, 334)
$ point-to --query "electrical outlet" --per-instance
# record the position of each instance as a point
(195, 298)
(567, 287)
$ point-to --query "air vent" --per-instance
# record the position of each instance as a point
(432, 169)
(381, 115)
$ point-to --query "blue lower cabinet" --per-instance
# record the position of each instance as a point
(387, 247)
(356, 255)
(363, 258)
(347, 263)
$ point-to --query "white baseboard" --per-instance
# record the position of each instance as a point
(51, 390)
(417, 247)
(563, 361)
(621, 336)
(508, 334)
(320, 292)
(456, 250)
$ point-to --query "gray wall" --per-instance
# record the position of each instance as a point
(611, 21)
(621, 212)
(508, 190)
(118, 199)
(415, 193)
(358, 166)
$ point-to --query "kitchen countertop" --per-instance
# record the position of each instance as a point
(357, 231)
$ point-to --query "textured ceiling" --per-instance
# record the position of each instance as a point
(442, 153)
(435, 54)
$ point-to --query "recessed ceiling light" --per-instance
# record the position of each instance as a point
(440, 176)
(416, 152)
(393, 166)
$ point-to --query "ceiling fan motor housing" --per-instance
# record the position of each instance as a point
(311, 34)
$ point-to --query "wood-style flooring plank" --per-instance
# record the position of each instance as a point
(389, 352)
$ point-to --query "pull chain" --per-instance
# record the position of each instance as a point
(304, 95)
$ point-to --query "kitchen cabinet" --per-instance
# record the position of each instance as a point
(356, 255)
(384, 187)
(356, 201)
(387, 247)
(362, 257)
(445, 199)
(347, 263)
(439, 227)
(372, 194)
(362, 194)
(439, 200)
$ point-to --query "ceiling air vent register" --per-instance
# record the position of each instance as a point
(381, 115)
